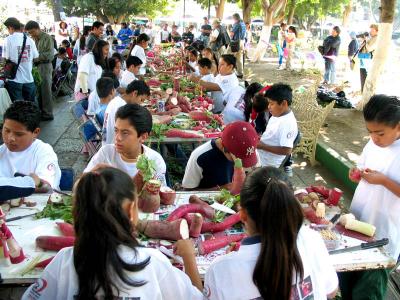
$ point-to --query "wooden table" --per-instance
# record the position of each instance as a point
(26, 230)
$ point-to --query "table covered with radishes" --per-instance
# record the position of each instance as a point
(210, 219)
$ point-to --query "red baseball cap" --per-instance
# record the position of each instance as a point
(240, 139)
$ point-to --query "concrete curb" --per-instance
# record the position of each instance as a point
(335, 163)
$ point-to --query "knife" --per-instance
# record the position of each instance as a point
(362, 246)
(18, 218)
(335, 219)
(218, 206)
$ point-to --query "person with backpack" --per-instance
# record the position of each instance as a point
(236, 46)
(219, 39)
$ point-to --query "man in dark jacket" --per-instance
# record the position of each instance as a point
(330, 52)
(219, 39)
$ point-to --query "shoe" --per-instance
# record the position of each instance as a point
(239, 76)
(289, 171)
(46, 118)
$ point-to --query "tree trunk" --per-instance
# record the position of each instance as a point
(291, 11)
(102, 18)
(219, 9)
(381, 52)
(264, 37)
(57, 8)
(346, 14)
(247, 8)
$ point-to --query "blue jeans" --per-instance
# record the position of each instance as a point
(330, 71)
(21, 91)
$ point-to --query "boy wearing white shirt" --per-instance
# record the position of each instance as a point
(136, 92)
(22, 87)
(132, 127)
(22, 152)
(277, 140)
(133, 65)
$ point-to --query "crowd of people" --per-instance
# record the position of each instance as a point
(280, 258)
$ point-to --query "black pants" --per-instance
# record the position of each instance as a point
(363, 77)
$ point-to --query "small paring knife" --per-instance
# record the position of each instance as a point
(362, 246)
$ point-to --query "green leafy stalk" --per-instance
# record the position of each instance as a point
(228, 200)
(55, 211)
(146, 166)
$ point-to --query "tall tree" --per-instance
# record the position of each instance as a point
(292, 8)
(381, 52)
(56, 7)
(346, 14)
(247, 7)
(273, 12)
(219, 6)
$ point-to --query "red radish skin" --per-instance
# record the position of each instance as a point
(174, 133)
(211, 245)
(226, 224)
(54, 243)
(175, 230)
(43, 264)
(199, 116)
(167, 196)
(66, 229)
(239, 177)
(195, 226)
(194, 199)
(323, 191)
(355, 175)
(310, 215)
(182, 210)
(138, 181)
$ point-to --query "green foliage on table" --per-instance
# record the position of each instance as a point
(62, 210)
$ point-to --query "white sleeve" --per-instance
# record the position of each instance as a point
(47, 167)
(177, 285)
(110, 127)
(211, 288)
(161, 170)
(287, 135)
(215, 33)
(93, 103)
(84, 65)
(193, 173)
(98, 158)
(35, 53)
(6, 49)
(361, 159)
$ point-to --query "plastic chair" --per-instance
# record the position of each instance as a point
(78, 112)
(67, 179)
(90, 136)
(295, 144)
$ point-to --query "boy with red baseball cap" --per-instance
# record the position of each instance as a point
(210, 165)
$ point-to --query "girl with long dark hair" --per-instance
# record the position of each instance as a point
(142, 42)
(90, 69)
(107, 261)
(281, 258)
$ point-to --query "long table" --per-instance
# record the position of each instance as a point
(26, 230)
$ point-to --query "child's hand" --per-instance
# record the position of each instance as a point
(355, 175)
(184, 248)
(373, 177)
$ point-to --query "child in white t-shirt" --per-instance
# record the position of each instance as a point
(132, 127)
(138, 51)
(107, 261)
(22, 152)
(106, 91)
(377, 197)
(136, 92)
(133, 65)
(192, 65)
(281, 257)
(277, 140)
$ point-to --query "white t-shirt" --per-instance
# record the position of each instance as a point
(375, 204)
(60, 281)
(12, 49)
(127, 78)
(231, 276)
(215, 34)
(109, 155)
(195, 66)
(216, 96)
(109, 119)
(38, 158)
(139, 52)
(226, 84)
(234, 109)
(164, 35)
(93, 103)
(88, 66)
(282, 132)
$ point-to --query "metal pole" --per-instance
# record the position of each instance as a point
(184, 12)
(209, 5)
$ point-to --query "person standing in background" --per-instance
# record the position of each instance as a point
(22, 87)
(164, 34)
(367, 50)
(44, 44)
(238, 33)
(125, 33)
(330, 52)
(62, 33)
(281, 44)
(290, 39)
(95, 35)
(205, 32)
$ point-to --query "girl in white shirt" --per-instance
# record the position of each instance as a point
(377, 197)
(281, 257)
(90, 68)
(107, 261)
(142, 43)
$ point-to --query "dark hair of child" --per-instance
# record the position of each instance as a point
(140, 86)
(229, 59)
(194, 52)
(62, 50)
(267, 197)
(205, 63)
(138, 116)
(117, 56)
(142, 38)
(110, 74)
(280, 92)
(251, 91)
(66, 43)
(209, 50)
(101, 228)
(104, 87)
(383, 109)
(133, 60)
(24, 112)
(293, 29)
(112, 63)
(260, 103)
(31, 25)
(98, 53)
(82, 40)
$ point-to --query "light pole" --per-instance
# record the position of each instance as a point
(209, 5)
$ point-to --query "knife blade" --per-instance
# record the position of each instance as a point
(222, 208)
(335, 219)
(20, 217)
(362, 246)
